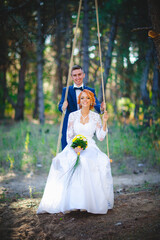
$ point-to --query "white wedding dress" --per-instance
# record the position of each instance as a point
(91, 186)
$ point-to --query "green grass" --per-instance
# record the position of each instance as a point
(144, 187)
(129, 146)
(24, 146)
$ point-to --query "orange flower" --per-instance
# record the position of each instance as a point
(111, 160)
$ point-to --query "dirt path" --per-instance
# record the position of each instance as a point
(24, 184)
(136, 213)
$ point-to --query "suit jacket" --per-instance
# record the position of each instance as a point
(72, 106)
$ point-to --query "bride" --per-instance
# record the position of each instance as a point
(90, 188)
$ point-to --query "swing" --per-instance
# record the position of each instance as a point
(69, 72)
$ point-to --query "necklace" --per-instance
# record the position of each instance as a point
(85, 116)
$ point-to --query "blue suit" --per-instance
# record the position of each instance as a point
(72, 106)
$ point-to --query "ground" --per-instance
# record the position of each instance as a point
(136, 212)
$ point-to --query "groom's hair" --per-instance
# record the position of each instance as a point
(76, 67)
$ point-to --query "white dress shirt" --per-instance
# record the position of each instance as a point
(77, 93)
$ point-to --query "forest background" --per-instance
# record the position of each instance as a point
(36, 41)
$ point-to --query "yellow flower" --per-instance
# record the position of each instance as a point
(78, 153)
(75, 138)
(79, 146)
(81, 137)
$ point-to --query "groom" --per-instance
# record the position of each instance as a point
(71, 105)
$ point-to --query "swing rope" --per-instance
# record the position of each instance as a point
(100, 58)
(70, 66)
(69, 75)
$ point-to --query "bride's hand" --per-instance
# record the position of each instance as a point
(78, 149)
(105, 116)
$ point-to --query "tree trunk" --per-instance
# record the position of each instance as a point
(115, 94)
(156, 78)
(108, 59)
(62, 37)
(3, 88)
(144, 92)
(40, 47)
(139, 65)
(144, 79)
(68, 36)
(19, 110)
(59, 72)
(35, 112)
(85, 43)
(3, 62)
(154, 11)
(128, 72)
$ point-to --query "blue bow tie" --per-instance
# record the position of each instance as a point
(80, 88)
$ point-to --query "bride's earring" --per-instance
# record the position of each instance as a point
(92, 104)
(80, 105)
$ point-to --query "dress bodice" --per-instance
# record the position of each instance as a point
(88, 130)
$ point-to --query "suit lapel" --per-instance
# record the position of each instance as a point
(73, 96)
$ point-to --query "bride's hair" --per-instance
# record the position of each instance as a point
(90, 95)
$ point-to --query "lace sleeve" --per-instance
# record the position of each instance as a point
(70, 131)
(100, 133)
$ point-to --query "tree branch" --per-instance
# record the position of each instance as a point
(140, 29)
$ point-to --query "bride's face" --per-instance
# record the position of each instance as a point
(85, 100)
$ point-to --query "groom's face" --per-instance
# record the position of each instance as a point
(77, 77)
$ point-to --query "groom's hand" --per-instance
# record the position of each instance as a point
(64, 106)
(103, 107)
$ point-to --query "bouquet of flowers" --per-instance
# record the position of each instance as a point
(79, 141)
